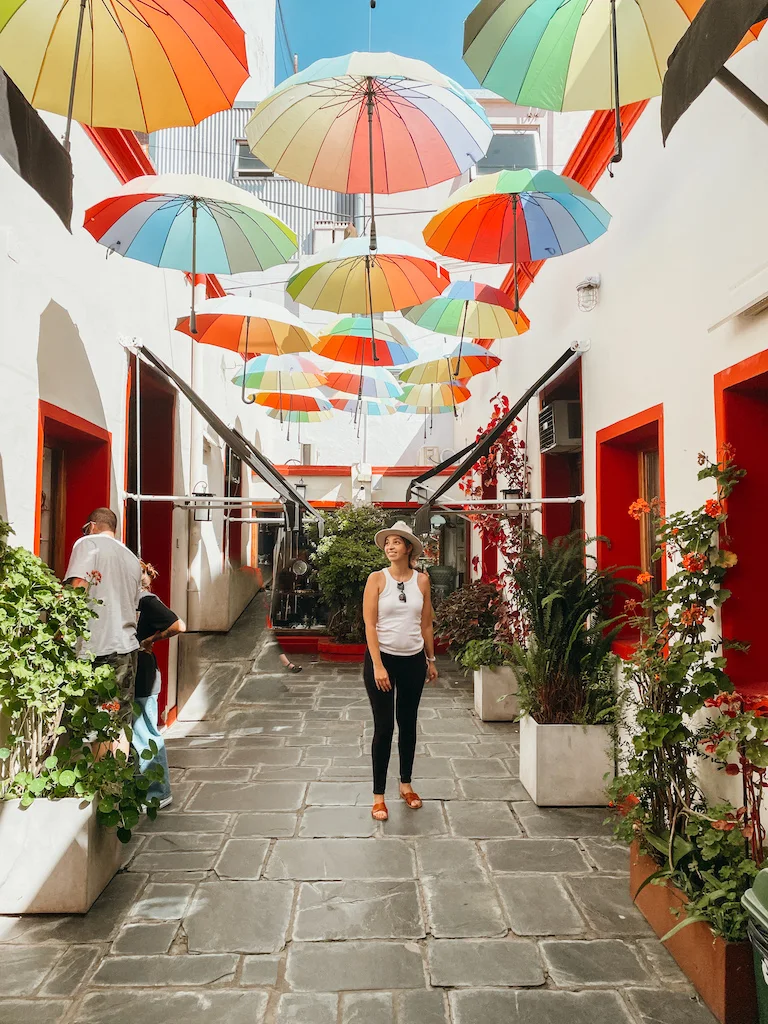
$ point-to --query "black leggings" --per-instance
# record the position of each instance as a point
(407, 674)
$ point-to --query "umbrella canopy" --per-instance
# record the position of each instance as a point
(370, 406)
(300, 415)
(463, 362)
(292, 401)
(372, 383)
(347, 277)
(280, 373)
(124, 63)
(517, 216)
(369, 122)
(188, 222)
(429, 397)
(470, 309)
(349, 341)
(248, 325)
(715, 33)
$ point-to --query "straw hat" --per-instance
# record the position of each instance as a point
(402, 530)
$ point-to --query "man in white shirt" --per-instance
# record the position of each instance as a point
(111, 574)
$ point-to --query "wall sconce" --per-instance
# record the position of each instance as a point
(202, 513)
(302, 490)
(588, 292)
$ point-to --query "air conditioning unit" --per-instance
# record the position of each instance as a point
(429, 455)
(560, 427)
(307, 455)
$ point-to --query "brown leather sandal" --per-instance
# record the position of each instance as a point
(379, 811)
(412, 799)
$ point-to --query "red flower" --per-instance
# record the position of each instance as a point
(625, 806)
(639, 508)
(732, 769)
(713, 508)
(112, 706)
(644, 577)
(724, 826)
(694, 615)
(694, 562)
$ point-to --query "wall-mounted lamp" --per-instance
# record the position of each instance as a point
(588, 292)
(202, 512)
(302, 490)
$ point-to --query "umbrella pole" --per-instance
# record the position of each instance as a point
(619, 151)
(280, 394)
(250, 399)
(368, 261)
(371, 101)
(463, 327)
(73, 85)
(516, 306)
(450, 385)
(425, 424)
(192, 315)
(365, 434)
(290, 410)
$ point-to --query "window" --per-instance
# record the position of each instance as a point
(511, 148)
(249, 166)
(233, 488)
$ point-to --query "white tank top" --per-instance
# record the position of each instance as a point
(398, 625)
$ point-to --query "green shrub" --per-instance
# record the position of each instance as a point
(57, 704)
(486, 654)
(469, 613)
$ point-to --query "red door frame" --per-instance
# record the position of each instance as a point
(88, 456)
(556, 519)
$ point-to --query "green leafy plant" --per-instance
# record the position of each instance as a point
(58, 706)
(344, 559)
(566, 601)
(486, 654)
(469, 613)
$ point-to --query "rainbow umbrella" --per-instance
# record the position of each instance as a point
(461, 363)
(370, 406)
(433, 399)
(349, 341)
(187, 222)
(576, 54)
(516, 216)
(291, 402)
(369, 122)
(249, 326)
(278, 373)
(374, 382)
(299, 416)
(470, 309)
(131, 64)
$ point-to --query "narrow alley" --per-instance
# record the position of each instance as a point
(478, 909)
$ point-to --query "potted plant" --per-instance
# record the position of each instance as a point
(568, 691)
(469, 613)
(495, 682)
(693, 858)
(343, 560)
(63, 811)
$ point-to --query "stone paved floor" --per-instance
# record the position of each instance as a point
(268, 894)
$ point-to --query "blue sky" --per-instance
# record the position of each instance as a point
(432, 30)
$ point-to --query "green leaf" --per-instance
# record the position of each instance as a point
(67, 778)
(688, 919)
(106, 804)
(51, 762)
(124, 835)
(4, 753)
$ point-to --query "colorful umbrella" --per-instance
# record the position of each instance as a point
(373, 383)
(291, 402)
(372, 122)
(462, 362)
(187, 222)
(249, 326)
(575, 54)
(516, 216)
(470, 309)
(349, 341)
(370, 406)
(128, 64)
(300, 415)
(432, 400)
(278, 373)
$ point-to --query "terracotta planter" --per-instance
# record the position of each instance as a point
(721, 972)
(329, 650)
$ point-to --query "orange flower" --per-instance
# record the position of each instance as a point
(644, 577)
(693, 615)
(112, 705)
(694, 562)
(713, 508)
(639, 508)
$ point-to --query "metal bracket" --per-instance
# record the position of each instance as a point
(581, 346)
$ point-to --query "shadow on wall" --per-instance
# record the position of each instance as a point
(64, 373)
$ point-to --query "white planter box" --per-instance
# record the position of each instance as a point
(54, 857)
(565, 765)
(491, 684)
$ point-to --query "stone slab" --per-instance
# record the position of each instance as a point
(163, 902)
(32, 1011)
(242, 858)
(123, 1006)
(328, 822)
(185, 822)
(286, 756)
(594, 962)
(414, 1007)
(239, 917)
(329, 794)
(163, 971)
(69, 972)
(189, 861)
(491, 963)
(22, 968)
(450, 859)
(480, 768)
(608, 905)
(481, 819)
(194, 757)
(656, 1005)
(260, 970)
(208, 842)
(609, 856)
(270, 824)
(340, 859)
(367, 1008)
(427, 820)
(135, 939)
(358, 910)
(561, 822)
(352, 966)
(463, 909)
(226, 796)
(545, 855)
(538, 1007)
(492, 789)
(539, 905)
(301, 1008)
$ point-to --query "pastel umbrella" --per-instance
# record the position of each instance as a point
(292, 402)
(248, 326)
(576, 54)
(516, 216)
(433, 399)
(370, 406)
(462, 362)
(278, 373)
(188, 222)
(370, 383)
(470, 309)
(135, 64)
(349, 341)
(299, 416)
(369, 122)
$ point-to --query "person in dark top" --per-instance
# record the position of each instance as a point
(156, 622)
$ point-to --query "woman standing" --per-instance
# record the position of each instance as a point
(156, 622)
(397, 610)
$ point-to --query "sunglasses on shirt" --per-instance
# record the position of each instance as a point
(401, 595)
